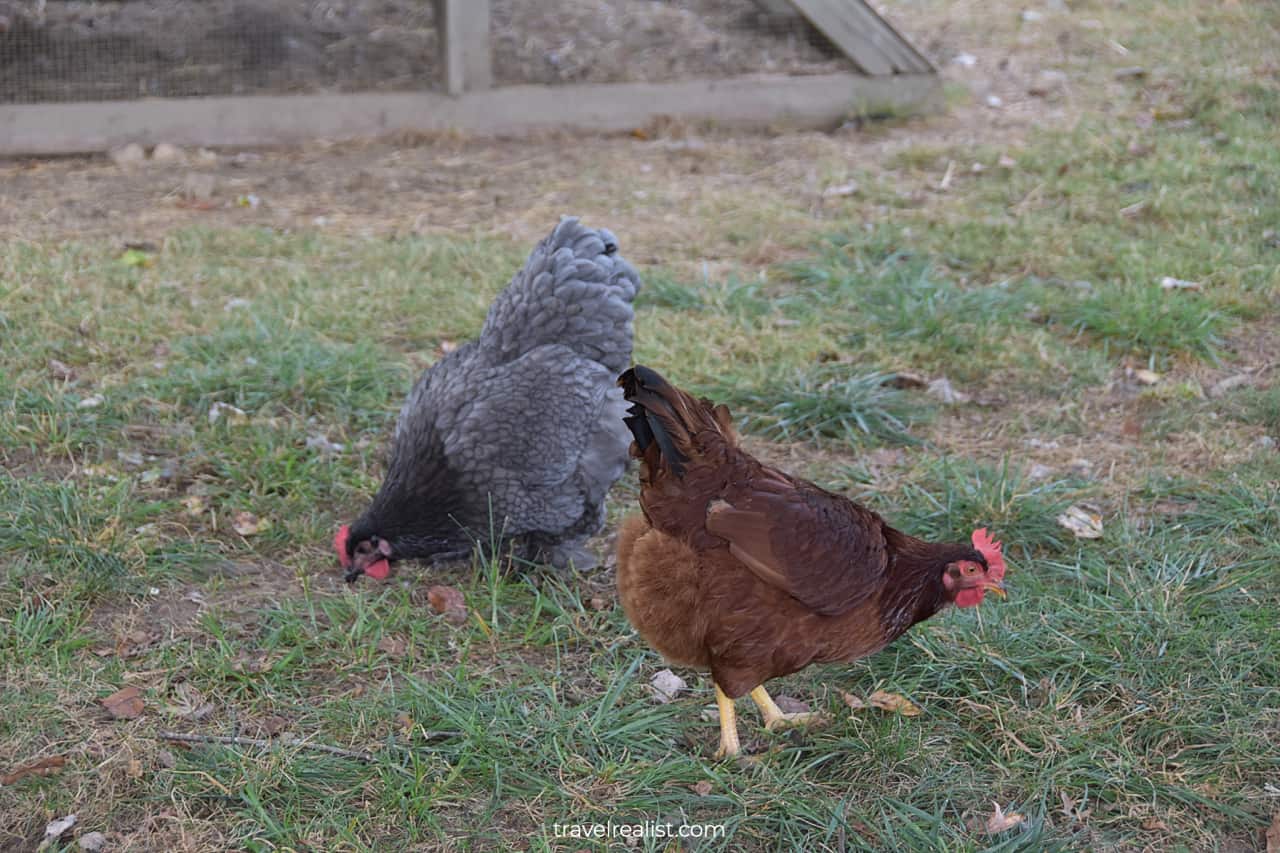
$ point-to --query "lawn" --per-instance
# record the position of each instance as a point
(1126, 696)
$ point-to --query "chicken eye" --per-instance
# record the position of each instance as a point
(969, 569)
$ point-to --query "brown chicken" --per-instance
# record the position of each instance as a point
(751, 573)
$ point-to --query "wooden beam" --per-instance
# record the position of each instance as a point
(756, 100)
(463, 26)
(865, 37)
(905, 58)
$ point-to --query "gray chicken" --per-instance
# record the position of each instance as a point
(516, 437)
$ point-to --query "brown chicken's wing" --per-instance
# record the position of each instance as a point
(820, 548)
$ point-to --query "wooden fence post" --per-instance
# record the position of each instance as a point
(464, 45)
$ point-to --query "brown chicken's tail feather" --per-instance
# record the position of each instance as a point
(651, 413)
(664, 415)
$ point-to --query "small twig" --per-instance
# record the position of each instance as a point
(237, 740)
(300, 743)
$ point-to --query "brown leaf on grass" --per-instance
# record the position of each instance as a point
(136, 642)
(450, 602)
(405, 723)
(852, 701)
(252, 665)
(61, 371)
(134, 769)
(273, 725)
(247, 524)
(1081, 522)
(791, 705)
(1001, 822)
(598, 603)
(124, 704)
(1155, 824)
(43, 767)
(893, 702)
(906, 381)
(393, 646)
(189, 703)
(702, 789)
(1273, 835)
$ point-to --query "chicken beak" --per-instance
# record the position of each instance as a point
(996, 588)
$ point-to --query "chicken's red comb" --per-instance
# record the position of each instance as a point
(990, 549)
(340, 542)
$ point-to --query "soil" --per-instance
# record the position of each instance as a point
(79, 50)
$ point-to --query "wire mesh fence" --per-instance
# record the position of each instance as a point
(76, 50)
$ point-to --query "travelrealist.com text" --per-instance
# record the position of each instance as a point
(643, 829)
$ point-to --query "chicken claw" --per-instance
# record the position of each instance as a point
(774, 718)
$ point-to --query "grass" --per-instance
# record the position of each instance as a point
(1124, 698)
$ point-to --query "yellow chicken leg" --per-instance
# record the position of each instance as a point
(774, 718)
(729, 745)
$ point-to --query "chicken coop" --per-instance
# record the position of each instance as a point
(90, 75)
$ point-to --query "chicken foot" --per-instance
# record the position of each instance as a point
(729, 745)
(774, 718)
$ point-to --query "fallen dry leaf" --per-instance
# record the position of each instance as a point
(321, 442)
(195, 505)
(1222, 386)
(61, 371)
(1154, 824)
(252, 665)
(125, 704)
(841, 190)
(54, 830)
(1082, 523)
(189, 703)
(247, 524)
(893, 702)
(92, 841)
(666, 685)
(942, 389)
(906, 381)
(1001, 822)
(702, 788)
(393, 646)
(134, 769)
(233, 415)
(450, 602)
(272, 725)
(43, 767)
(852, 701)
(405, 723)
(598, 603)
(1273, 835)
(791, 705)
(1171, 283)
(1146, 377)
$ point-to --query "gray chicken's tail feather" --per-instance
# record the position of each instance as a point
(574, 290)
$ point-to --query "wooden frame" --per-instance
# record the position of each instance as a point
(760, 100)
(896, 79)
